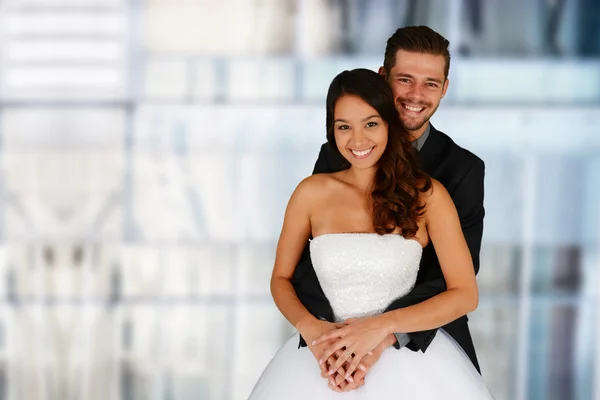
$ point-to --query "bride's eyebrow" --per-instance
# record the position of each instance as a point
(371, 116)
(363, 120)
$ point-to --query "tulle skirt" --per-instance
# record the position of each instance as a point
(444, 371)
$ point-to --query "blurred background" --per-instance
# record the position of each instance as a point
(148, 149)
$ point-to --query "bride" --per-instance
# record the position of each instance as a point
(367, 227)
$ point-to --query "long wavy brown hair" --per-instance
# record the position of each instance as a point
(398, 179)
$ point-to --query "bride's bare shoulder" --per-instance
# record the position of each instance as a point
(436, 197)
(318, 182)
(316, 187)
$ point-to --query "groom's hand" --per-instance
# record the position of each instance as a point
(337, 381)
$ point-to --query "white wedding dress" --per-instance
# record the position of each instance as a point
(361, 274)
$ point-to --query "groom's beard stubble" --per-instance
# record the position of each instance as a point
(410, 123)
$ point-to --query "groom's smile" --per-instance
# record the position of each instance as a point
(413, 109)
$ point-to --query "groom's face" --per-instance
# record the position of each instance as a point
(418, 83)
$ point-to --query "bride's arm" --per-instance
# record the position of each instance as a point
(461, 296)
(294, 235)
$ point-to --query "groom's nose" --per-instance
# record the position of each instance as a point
(415, 93)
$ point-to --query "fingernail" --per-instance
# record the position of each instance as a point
(331, 372)
(320, 362)
(362, 367)
(314, 342)
(332, 382)
(369, 353)
(349, 379)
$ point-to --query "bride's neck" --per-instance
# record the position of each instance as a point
(362, 178)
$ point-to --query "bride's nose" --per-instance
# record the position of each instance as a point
(358, 138)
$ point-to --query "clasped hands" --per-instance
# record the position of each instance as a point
(346, 351)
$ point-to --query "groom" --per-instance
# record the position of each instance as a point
(416, 66)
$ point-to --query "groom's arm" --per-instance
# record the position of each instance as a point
(305, 280)
(468, 198)
(322, 164)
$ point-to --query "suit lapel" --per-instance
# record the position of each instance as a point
(429, 155)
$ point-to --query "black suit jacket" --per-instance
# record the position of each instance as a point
(462, 173)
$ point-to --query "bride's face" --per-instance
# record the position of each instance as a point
(361, 135)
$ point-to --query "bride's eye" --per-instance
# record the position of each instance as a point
(371, 124)
(343, 127)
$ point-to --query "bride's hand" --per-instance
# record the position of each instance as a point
(357, 339)
(313, 329)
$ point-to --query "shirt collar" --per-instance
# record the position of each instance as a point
(421, 140)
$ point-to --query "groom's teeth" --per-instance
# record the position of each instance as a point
(361, 153)
(415, 109)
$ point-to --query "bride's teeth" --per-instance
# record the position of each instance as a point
(362, 153)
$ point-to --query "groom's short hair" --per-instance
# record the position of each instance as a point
(420, 39)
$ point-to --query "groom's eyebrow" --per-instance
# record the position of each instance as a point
(403, 75)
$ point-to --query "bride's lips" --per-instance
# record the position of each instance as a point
(361, 154)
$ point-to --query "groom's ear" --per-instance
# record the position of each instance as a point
(382, 71)
(445, 87)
